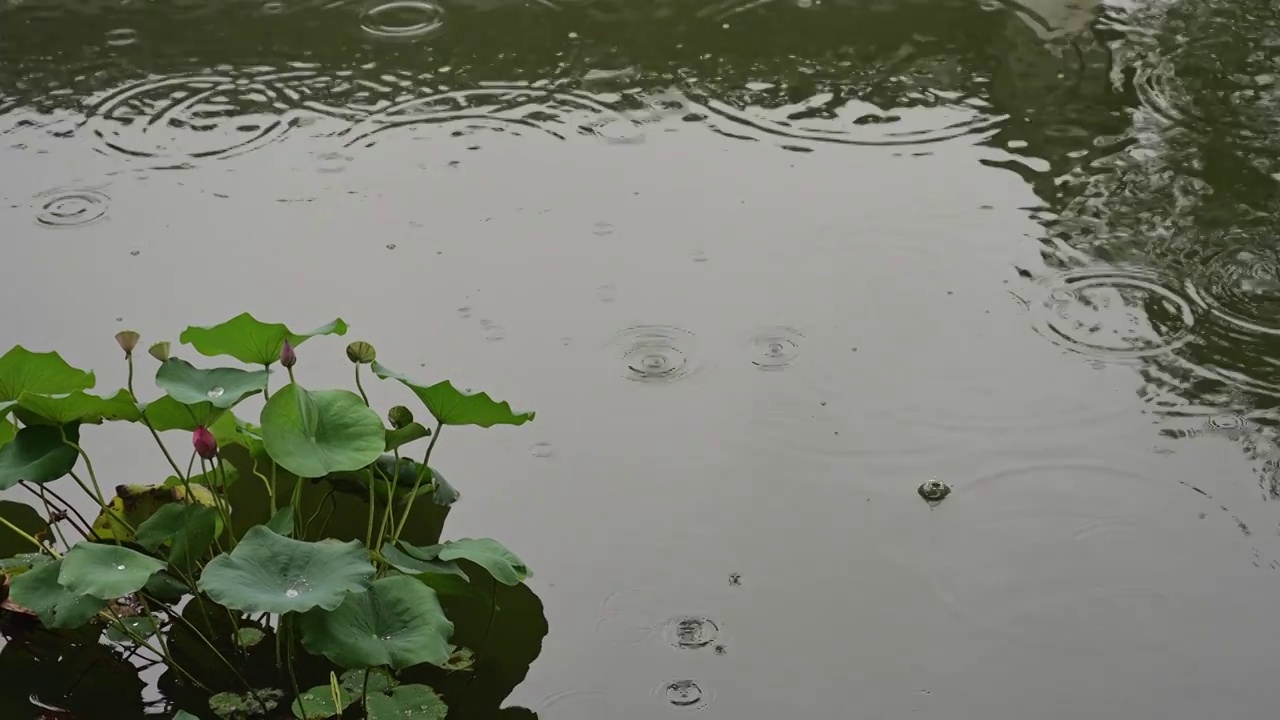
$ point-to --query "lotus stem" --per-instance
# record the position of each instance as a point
(88, 464)
(21, 533)
(426, 470)
(360, 387)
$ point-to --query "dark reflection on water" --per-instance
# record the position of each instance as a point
(1028, 250)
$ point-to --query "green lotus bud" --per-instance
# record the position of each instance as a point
(361, 352)
(127, 340)
(160, 351)
(400, 416)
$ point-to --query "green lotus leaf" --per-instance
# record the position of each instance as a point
(38, 590)
(314, 433)
(406, 563)
(451, 406)
(23, 371)
(191, 529)
(406, 702)
(317, 703)
(166, 413)
(7, 431)
(166, 588)
(184, 715)
(22, 562)
(380, 680)
(488, 553)
(25, 518)
(76, 407)
(267, 572)
(37, 454)
(405, 435)
(133, 505)
(282, 522)
(142, 626)
(223, 387)
(397, 622)
(238, 706)
(250, 340)
(106, 571)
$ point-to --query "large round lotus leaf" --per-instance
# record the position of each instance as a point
(398, 622)
(406, 702)
(23, 371)
(312, 434)
(76, 407)
(250, 340)
(38, 590)
(270, 573)
(222, 387)
(37, 454)
(488, 553)
(106, 571)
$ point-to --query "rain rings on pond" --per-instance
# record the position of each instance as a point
(1242, 287)
(70, 207)
(689, 632)
(199, 115)
(775, 348)
(1115, 313)
(684, 694)
(655, 353)
(510, 110)
(402, 19)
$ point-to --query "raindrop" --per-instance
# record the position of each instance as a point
(291, 593)
(403, 19)
(542, 450)
(70, 207)
(775, 348)
(135, 253)
(684, 694)
(699, 257)
(656, 353)
(1115, 313)
(721, 650)
(735, 579)
(391, 246)
(690, 631)
(215, 393)
(273, 8)
(464, 312)
(119, 567)
(1242, 287)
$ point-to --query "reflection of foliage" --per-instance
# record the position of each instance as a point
(279, 545)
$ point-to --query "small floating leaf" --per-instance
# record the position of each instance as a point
(317, 703)
(270, 573)
(460, 660)
(451, 406)
(37, 454)
(251, 341)
(23, 371)
(406, 702)
(58, 607)
(398, 622)
(223, 387)
(314, 433)
(76, 407)
(248, 637)
(233, 706)
(106, 571)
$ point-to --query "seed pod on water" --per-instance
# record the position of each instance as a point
(361, 353)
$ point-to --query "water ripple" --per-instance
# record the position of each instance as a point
(403, 19)
(1242, 286)
(70, 207)
(655, 353)
(1114, 313)
(775, 348)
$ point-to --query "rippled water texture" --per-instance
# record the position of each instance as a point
(763, 267)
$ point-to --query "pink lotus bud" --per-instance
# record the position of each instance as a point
(205, 444)
(288, 358)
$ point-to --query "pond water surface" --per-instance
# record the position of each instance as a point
(762, 267)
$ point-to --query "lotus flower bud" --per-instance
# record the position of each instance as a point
(205, 444)
(361, 353)
(400, 416)
(127, 340)
(160, 351)
(288, 358)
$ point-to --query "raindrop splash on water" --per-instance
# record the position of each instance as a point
(121, 37)
(70, 207)
(542, 450)
(684, 694)
(775, 348)
(403, 19)
(689, 632)
(656, 353)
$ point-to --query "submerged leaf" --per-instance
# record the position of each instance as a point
(406, 702)
(451, 406)
(223, 387)
(58, 607)
(397, 622)
(37, 454)
(77, 407)
(250, 340)
(314, 433)
(23, 371)
(270, 573)
(106, 571)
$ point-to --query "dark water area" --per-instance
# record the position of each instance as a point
(763, 268)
